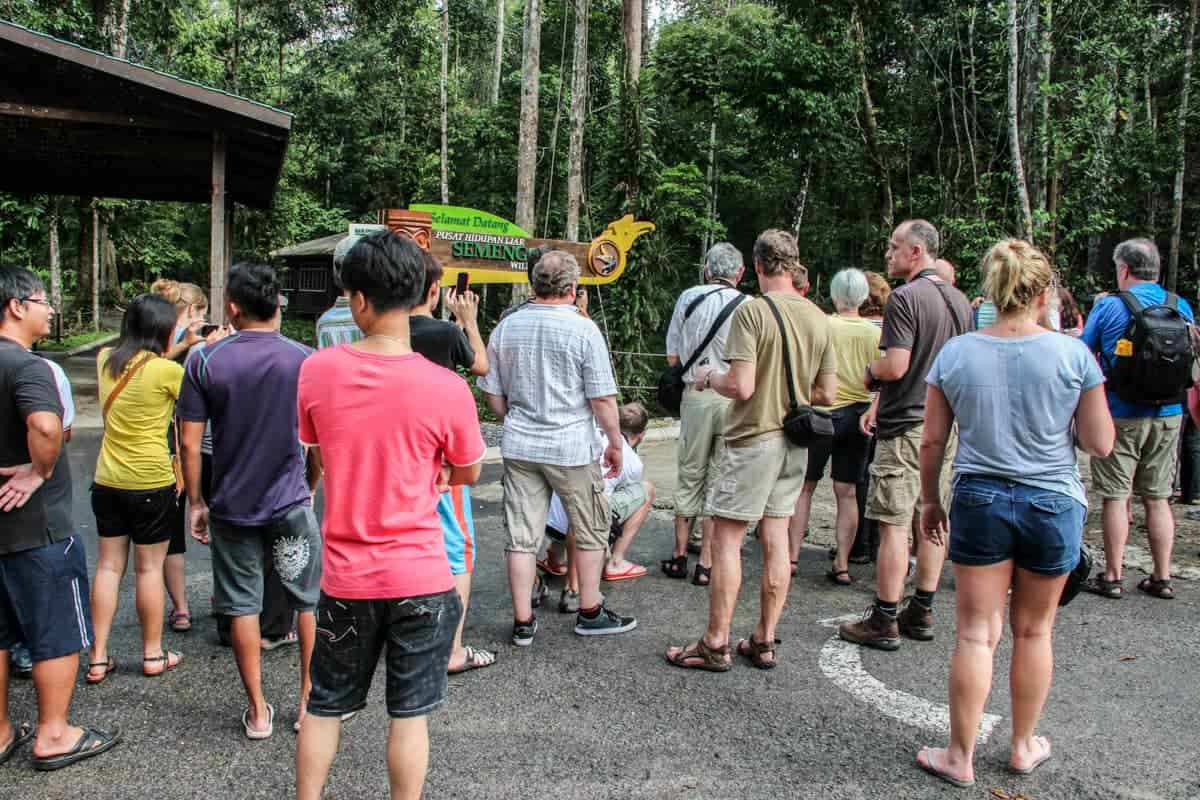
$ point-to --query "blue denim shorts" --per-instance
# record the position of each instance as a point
(995, 519)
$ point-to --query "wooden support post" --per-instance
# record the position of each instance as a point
(95, 266)
(218, 257)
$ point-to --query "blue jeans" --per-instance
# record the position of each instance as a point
(996, 519)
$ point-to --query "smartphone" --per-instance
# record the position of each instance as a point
(460, 288)
(206, 330)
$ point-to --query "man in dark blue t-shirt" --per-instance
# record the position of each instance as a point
(1143, 460)
(261, 504)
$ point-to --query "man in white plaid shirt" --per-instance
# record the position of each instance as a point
(551, 382)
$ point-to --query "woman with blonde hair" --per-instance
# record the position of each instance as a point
(191, 309)
(1021, 395)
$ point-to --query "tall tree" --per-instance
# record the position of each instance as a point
(445, 111)
(55, 258)
(631, 22)
(498, 56)
(1043, 131)
(579, 93)
(1014, 129)
(871, 127)
(527, 138)
(1181, 150)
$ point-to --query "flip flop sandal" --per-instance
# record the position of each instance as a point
(634, 571)
(929, 767)
(835, 577)
(702, 576)
(165, 660)
(476, 659)
(92, 742)
(1037, 762)
(21, 734)
(179, 622)
(755, 652)
(702, 657)
(1154, 587)
(255, 734)
(675, 567)
(109, 668)
(552, 568)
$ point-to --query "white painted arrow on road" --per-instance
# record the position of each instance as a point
(842, 663)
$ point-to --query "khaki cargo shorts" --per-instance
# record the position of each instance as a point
(701, 442)
(762, 479)
(1142, 460)
(527, 489)
(626, 499)
(896, 477)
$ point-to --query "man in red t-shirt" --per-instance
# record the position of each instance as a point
(391, 431)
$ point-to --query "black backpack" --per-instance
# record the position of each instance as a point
(1152, 363)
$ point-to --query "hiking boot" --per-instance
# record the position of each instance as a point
(916, 621)
(522, 635)
(568, 602)
(603, 624)
(876, 629)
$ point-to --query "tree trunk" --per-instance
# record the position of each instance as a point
(525, 216)
(1152, 121)
(631, 24)
(1181, 151)
(1039, 193)
(55, 259)
(710, 186)
(871, 128)
(1029, 88)
(1014, 130)
(83, 265)
(237, 46)
(112, 20)
(498, 57)
(445, 113)
(579, 92)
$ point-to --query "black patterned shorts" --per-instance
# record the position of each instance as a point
(417, 633)
(240, 556)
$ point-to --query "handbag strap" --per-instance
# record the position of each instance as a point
(692, 306)
(729, 308)
(787, 355)
(124, 381)
(930, 275)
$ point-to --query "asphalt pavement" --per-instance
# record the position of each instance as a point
(606, 717)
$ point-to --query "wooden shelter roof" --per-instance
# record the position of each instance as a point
(314, 248)
(77, 122)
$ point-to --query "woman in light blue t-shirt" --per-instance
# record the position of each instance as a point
(1018, 393)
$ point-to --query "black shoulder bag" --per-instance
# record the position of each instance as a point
(670, 382)
(804, 426)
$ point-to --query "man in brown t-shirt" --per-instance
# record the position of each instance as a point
(921, 316)
(761, 473)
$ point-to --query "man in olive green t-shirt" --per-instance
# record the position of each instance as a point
(761, 472)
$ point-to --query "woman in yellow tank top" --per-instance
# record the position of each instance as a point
(134, 493)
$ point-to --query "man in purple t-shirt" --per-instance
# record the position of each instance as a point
(261, 505)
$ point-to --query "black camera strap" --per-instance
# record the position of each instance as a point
(787, 355)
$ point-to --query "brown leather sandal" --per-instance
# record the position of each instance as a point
(757, 652)
(701, 656)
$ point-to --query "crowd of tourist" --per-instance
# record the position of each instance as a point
(949, 427)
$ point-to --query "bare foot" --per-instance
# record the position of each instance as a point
(939, 762)
(1029, 754)
(46, 746)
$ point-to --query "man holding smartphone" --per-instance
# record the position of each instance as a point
(454, 345)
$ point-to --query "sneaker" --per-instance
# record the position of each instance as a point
(523, 632)
(876, 629)
(605, 623)
(539, 593)
(916, 621)
(568, 602)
